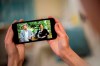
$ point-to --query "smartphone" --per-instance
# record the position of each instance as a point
(34, 30)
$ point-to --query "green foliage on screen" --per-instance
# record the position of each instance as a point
(34, 26)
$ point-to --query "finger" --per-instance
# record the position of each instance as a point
(21, 51)
(61, 28)
(21, 20)
(54, 46)
(39, 18)
(10, 30)
(15, 21)
(10, 35)
(53, 40)
(58, 31)
(50, 41)
(60, 25)
(50, 17)
(56, 20)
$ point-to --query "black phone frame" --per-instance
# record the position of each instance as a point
(16, 39)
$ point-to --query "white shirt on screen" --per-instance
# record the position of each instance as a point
(26, 35)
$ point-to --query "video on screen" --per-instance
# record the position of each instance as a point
(32, 31)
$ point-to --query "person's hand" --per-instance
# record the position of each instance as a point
(15, 52)
(61, 43)
(61, 47)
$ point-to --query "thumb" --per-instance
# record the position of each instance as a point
(57, 29)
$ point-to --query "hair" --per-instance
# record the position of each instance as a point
(24, 25)
(40, 25)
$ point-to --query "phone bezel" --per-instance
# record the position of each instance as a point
(16, 39)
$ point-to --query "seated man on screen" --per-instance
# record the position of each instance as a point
(42, 33)
(25, 34)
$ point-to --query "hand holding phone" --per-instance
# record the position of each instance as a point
(60, 46)
(15, 52)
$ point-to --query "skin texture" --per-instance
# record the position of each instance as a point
(60, 46)
(41, 27)
(62, 40)
(15, 52)
(92, 9)
(25, 27)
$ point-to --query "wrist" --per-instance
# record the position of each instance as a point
(67, 56)
(66, 53)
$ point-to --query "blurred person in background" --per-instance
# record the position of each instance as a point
(60, 45)
(92, 10)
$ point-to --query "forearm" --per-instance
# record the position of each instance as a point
(72, 59)
(12, 61)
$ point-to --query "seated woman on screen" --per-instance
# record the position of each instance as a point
(42, 33)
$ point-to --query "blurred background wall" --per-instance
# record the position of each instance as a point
(83, 39)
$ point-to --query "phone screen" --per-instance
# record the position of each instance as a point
(34, 30)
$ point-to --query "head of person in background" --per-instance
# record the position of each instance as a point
(25, 34)
(42, 33)
(25, 27)
(41, 27)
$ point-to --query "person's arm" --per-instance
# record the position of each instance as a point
(37, 34)
(47, 32)
(61, 47)
(13, 61)
(15, 52)
(30, 34)
(72, 59)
